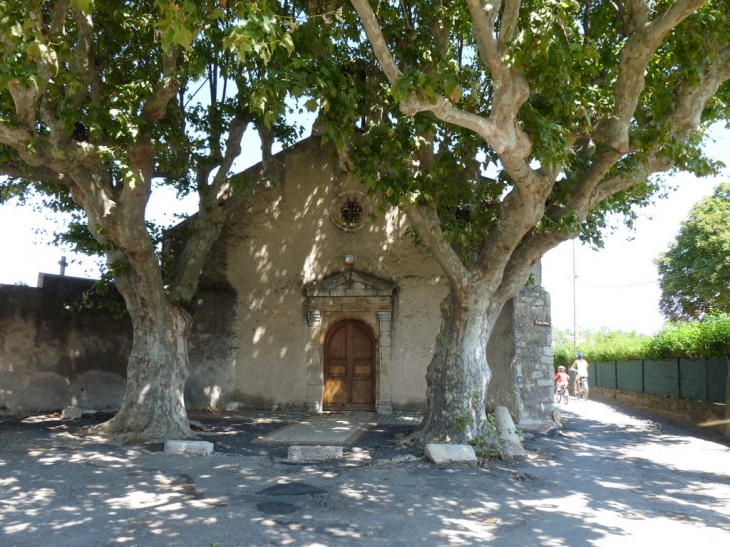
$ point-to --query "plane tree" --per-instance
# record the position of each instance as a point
(694, 273)
(103, 102)
(505, 127)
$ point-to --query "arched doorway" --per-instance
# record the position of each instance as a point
(349, 367)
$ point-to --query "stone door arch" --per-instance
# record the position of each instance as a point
(349, 295)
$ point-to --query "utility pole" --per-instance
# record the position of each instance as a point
(63, 265)
(576, 335)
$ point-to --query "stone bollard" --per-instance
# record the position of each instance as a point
(508, 433)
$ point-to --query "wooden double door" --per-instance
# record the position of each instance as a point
(349, 367)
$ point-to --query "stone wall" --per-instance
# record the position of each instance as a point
(521, 357)
(54, 355)
(710, 416)
(534, 373)
(251, 343)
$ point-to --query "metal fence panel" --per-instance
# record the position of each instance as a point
(716, 380)
(629, 376)
(660, 378)
(592, 374)
(693, 379)
(606, 374)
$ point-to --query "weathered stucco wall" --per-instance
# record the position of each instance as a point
(52, 356)
(258, 335)
(283, 239)
(279, 241)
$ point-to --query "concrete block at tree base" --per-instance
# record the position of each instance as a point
(75, 412)
(314, 453)
(507, 432)
(448, 453)
(189, 448)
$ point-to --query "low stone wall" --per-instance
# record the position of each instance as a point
(681, 410)
(53, 354)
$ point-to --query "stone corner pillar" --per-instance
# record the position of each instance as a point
(315, 366)
(383, 404)
(533, 356)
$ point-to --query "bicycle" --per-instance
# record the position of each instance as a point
(561, 395)
(583, 390)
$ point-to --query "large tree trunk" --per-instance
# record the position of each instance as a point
(458, 375)
(154, 406)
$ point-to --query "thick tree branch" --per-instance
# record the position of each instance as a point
(377, 40)
(17, 138)
(58, 23)
(483, 16)
(137, 182)
(521, 210)
(37, 174)
(26, 102)
(529, 253)
(638, 13)
(500, 130)
(508, 27)
(644, 39)
(663, 23)
(81, 57)
(213, 210)
(156, 105)
(584, 186)
(424, 218)
(684, 120)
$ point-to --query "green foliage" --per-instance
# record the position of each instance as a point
(695, 271)
(693, 339)
(602, 346)
(563, 354)
(709, 338)
(569, 53)
(468, 410)
(235, 61)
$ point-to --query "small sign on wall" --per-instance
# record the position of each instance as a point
(541, 323)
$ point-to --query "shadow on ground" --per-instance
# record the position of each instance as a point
(610, 477)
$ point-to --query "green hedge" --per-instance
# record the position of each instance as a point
(687, 340)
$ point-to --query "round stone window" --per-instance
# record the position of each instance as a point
(350, 210)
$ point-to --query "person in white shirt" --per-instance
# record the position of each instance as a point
(580, 365)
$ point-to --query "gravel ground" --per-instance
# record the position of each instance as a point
(612, 476)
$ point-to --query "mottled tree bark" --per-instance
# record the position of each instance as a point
(154, 405)
(458, 375)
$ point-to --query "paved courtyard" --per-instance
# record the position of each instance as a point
(612, 476)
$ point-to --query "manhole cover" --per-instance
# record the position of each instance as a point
(291, 489)
(276, 508)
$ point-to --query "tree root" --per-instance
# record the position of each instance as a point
(154, 432)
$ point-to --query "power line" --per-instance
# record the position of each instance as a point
(667, 278)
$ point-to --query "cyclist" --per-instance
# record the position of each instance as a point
(580, 365)
(561, 379)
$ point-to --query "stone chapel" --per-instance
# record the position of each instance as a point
(315, 298)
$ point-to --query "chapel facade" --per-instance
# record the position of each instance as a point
(316, 298)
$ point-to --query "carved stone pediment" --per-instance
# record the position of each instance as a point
(349, 283)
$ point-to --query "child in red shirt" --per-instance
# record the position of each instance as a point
(561, 378)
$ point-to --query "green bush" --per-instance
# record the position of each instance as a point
(686, 340)
(604, 346)
(692, 339)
